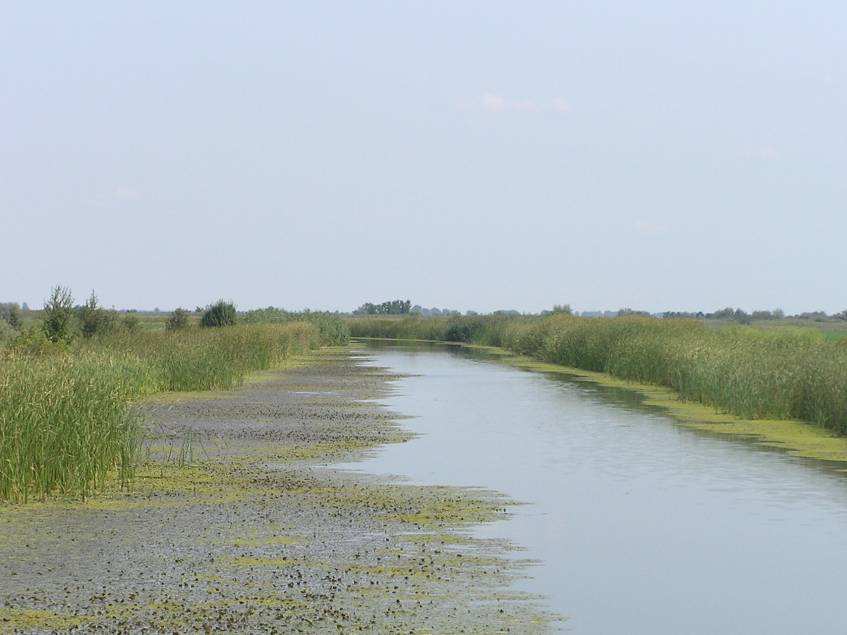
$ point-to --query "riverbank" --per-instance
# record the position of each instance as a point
(784, 374)
(797, 438)
(235, 521)
(635, 520)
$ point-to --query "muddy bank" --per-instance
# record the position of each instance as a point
(234, 522)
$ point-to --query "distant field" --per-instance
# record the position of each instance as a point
(831, 329)
(148, 321)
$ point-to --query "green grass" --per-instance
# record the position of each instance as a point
(784, 373)
(67, 416)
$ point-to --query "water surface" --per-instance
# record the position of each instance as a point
(641, 526)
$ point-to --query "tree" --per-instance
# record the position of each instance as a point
(58, 321)
(94, 319)
(562, 308)
(219, 314)
(628, 312)
(11, 313)
(389, 307)
(177, 321)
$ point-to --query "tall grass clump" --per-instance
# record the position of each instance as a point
(333, 330)
(749, 372)
(197, 359)
(67, 415)
(66, 423)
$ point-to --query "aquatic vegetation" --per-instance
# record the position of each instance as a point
(749, 372)
(66, 412)
(65, 422)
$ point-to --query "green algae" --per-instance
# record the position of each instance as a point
(249, 580)
(28, 620)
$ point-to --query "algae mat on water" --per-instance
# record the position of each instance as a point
(249, 530)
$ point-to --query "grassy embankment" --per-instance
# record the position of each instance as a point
(67, 420)
(779, 374)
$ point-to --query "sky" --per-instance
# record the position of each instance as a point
(472, 155)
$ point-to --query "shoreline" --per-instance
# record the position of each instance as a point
(796, 438)
(251, 528)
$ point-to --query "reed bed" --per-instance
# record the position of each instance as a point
(67, 416)
(748, 372)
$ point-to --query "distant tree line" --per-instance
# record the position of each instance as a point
(434, 311)
(389, 307)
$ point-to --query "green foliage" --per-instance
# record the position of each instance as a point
(94, 319)
(131, 323)
(389, 307)
(65, 423)
(10, 313)
(59, 323)
(66, 417)
(219, 314)
(333, 329)
(34, 341)
(177, 321)
(7, 333)
(749, 372)
(268, 315)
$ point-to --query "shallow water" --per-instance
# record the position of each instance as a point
(641, 526)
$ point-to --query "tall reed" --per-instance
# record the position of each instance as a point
(67, 416)
(779, 374)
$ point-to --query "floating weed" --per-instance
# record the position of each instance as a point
(28, 620)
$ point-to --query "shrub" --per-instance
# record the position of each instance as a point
(177, 321)
(10, 313)
(458, 333)
(94, 319)
(219, 314)
(59, 324)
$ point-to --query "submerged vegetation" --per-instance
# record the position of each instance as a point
(68, 386)
(789, 373)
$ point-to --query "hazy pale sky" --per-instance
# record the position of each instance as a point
(474, 155)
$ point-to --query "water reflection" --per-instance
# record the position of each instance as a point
(642, 526)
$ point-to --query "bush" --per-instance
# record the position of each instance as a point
(219, 314)
(177, 321)
(59, 324)
(94, 319)
(458, 333)
(10, 313)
